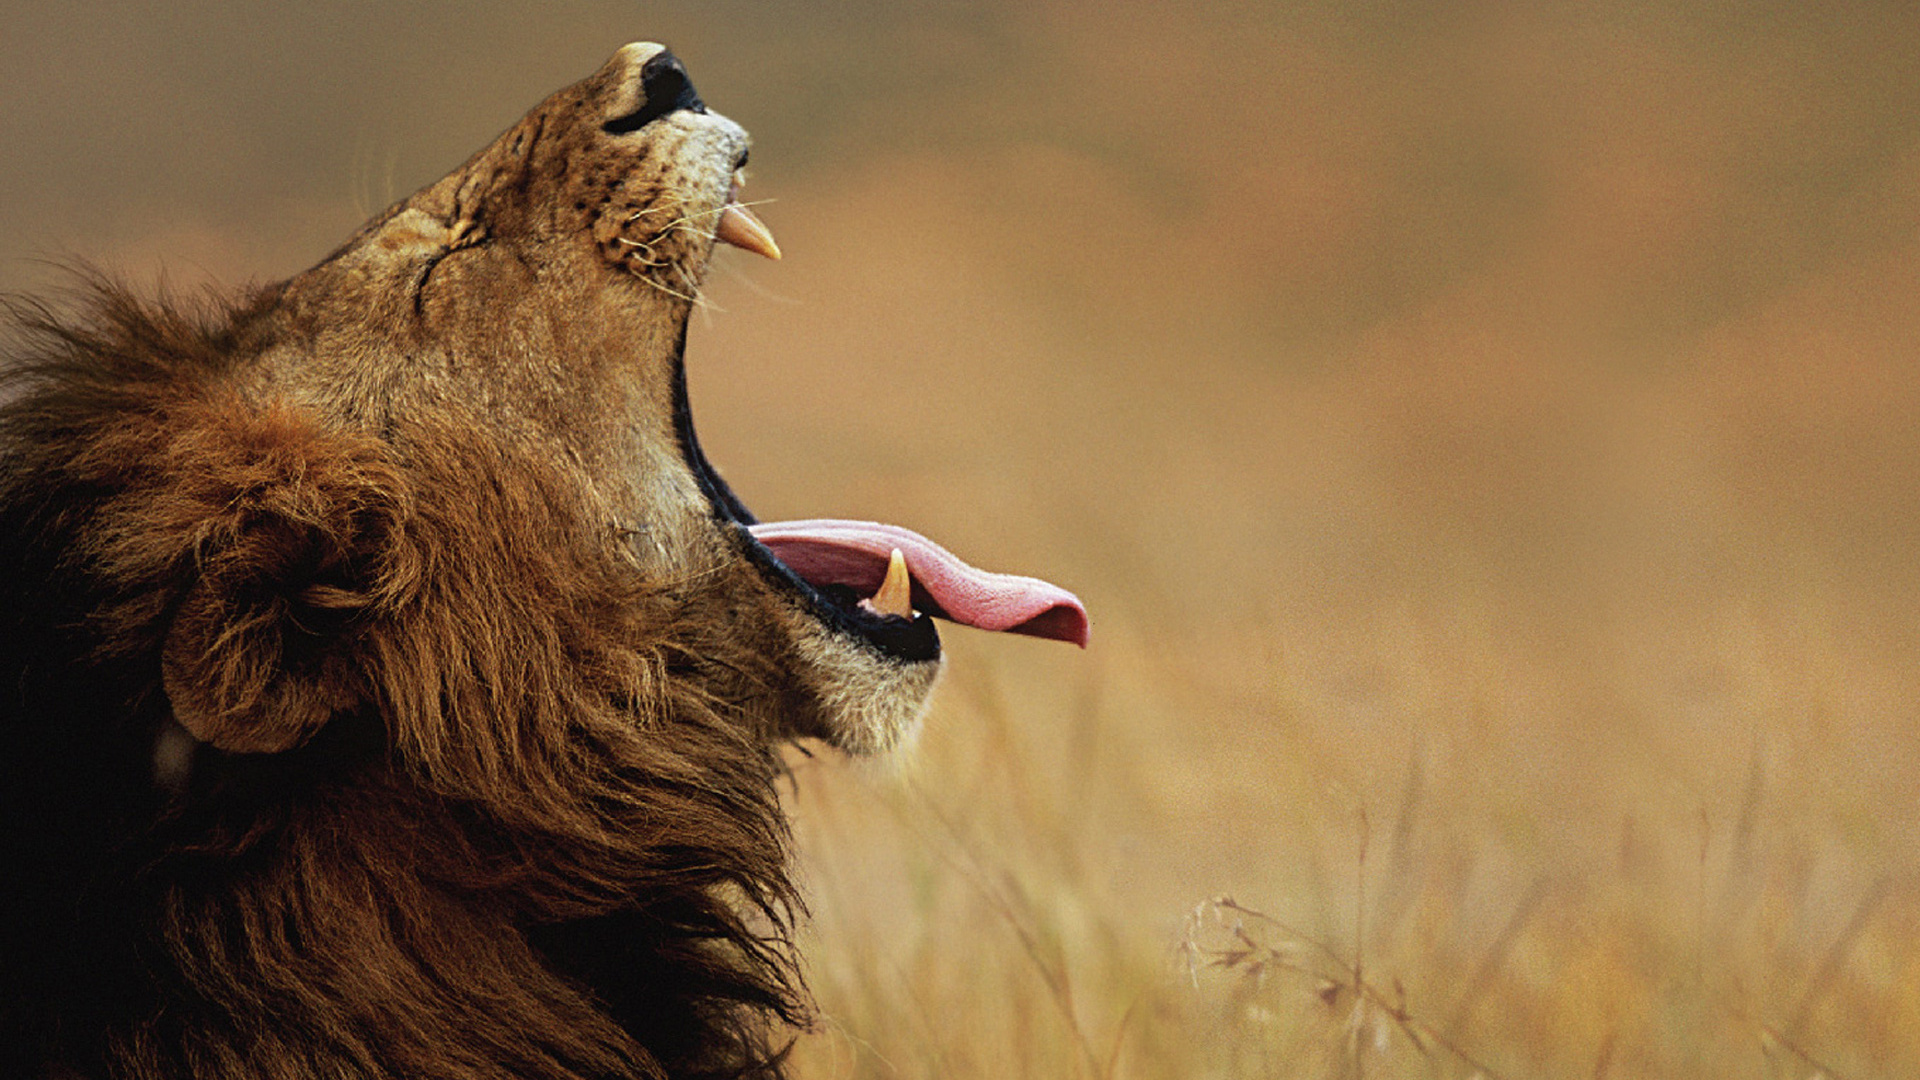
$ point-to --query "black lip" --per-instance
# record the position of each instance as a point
(912, 640)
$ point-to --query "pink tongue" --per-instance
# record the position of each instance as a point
(825, 551)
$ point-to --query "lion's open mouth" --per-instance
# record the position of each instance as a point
(880, 583)
(886, 572)
(884, 584)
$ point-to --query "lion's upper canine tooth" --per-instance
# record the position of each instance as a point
(895, 596)
(738, 226)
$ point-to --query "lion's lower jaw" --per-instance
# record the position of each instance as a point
(868, 703)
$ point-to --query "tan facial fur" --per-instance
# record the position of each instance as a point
(540, 294)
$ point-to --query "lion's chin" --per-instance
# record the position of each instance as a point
(869, 703)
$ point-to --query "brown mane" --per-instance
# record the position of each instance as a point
(527, 840)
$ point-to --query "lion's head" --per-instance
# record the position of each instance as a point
(393, 687)
(542, 291)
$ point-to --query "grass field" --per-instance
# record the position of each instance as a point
(1487, 438)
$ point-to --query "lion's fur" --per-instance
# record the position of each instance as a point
(357, 726)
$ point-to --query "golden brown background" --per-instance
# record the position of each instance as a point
(1487, 436)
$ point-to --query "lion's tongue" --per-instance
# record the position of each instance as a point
(824, 551)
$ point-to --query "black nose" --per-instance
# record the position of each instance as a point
(666, 89)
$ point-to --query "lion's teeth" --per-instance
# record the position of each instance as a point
(738, 226)
(895, 596)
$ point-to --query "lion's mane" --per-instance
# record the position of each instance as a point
(527, 836)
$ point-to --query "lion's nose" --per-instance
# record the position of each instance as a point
(665, 79)
(664, 88)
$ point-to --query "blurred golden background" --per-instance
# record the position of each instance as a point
(1487, 437)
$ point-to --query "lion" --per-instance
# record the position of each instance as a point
(389, 685)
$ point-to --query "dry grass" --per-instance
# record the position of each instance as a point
(1038, 896)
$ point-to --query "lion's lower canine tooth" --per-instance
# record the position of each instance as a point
(738, 226)
(895, 596)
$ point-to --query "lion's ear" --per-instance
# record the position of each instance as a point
(281, 530)
(234, 672)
